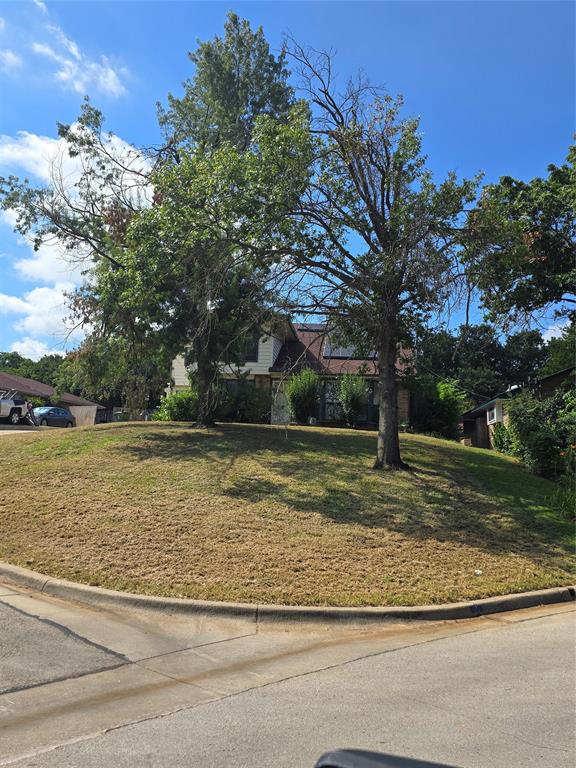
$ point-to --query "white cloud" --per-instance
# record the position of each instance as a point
(2, 23)
(49, 264)
(65, 42)
(554, 331)
(10, 61)
(42, 156)
(76, 70)
(42, 311)
(33, 349)
(41, 5)
(12, 304)
(35, 154)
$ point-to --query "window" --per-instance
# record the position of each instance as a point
(491, 415)
(341, 351)
(251, 353)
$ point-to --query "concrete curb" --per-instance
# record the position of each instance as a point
(109, 598)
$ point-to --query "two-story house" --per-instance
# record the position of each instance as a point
(272, 359)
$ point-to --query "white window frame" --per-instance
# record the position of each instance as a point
(497, 412)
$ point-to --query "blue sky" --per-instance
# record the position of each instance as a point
(493, 83)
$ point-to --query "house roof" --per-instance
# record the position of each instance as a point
(557, 373)
(483, 407)
(33, 388)
(312, 349)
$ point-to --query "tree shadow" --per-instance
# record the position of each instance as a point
(451, 494)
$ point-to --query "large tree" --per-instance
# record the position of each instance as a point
(561, 351)
(106, 369)
(478, 359)
(236, 79)
(381, 236)
(522, 250)
(199, 268)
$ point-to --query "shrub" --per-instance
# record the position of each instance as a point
(178, 406)
(535, 434)
(243, 402)
(563, 500)
(352, 396)
(438, 406)
(453, 403)
(502, 439)
(302, 394)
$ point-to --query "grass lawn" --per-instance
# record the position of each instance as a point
(255, 513)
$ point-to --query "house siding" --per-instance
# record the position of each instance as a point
(276, 347)
(266, 358)
(268, 350)
(179, 373)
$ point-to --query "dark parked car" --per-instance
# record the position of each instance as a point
(50, 416)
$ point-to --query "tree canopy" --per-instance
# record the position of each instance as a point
(236, 79)
(379, 236)
(522, 248)
(479, 360)
(45, 369)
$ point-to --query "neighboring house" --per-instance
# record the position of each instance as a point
(271, 360)
(479, 422)
(84, 411)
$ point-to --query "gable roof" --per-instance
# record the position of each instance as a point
(33, 388)
(312, 349)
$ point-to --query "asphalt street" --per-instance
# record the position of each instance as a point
(85, 687)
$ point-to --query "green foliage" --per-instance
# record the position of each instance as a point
(112, 371)
(45, 369)
(561, 351)
(543, 432)
(453, 402)
(437, 406)
(302, 393)
(502, 439)
(242, 401)
(481, 363)
(178, 406)
(523, 241)
(563, 499)
(352, 396)
(236, 79)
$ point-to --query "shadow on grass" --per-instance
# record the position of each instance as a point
(451, 493)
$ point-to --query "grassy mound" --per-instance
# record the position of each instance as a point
(294, 516)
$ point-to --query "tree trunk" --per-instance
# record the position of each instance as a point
(206, 377)
(388, 448)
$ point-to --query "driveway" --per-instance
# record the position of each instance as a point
(19, 429)
(91, 688)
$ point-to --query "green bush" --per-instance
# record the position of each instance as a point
(538, 433)
(437, 406)
(352, 396)
(178, 406)
(563, 500)
(302, 394)
(502, 439)
(243, 402)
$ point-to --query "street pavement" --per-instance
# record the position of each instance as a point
(86, 687)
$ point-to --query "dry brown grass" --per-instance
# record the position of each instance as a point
(262, 514)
